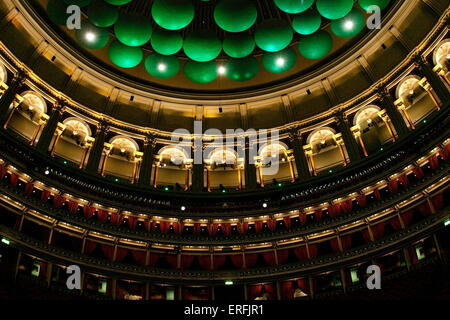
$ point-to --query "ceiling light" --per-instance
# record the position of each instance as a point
(47, 172)
(323, 142)
(183, 208)
(280, 62)
(221, 70)
(75, 132)
(122, 150)
(411, 92)
(162, 67)
(369, 121)
(90, 36)
(30, 108)
(264, 205)
(349, 25)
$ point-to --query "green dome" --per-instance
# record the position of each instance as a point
(173, 14)
(242, 69)
(350, 25)
(56, 10)
(201, 72)
(166, 42)
(279, 62)
(91, 37)
(101, 14)
(124, 56)
(365, 4)
(273, 35)
(163, 67)
(294, 6)
(334, 9)
(133, 30)
(315, 46)
(307, 23)
(118, 2)
(202, 46)
(80, 3)
(235, 15)
(238, 45)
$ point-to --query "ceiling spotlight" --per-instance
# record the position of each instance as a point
(47, 172)
(280, 62)
(30, 108)
(323, 142)
(348, 25)
(411, 92)
(75, 132)
(447, 56)
(90, 36)
(183, 208)
(264, 205)
(122, 150)
(221, 70)
(162, 67)
(369, 121)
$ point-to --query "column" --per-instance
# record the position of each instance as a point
(8, 98)
(349, 141)
(87, 147)
(59, 131)
(188, 173)
(145, 174)
(299, 155)
(49, 130)
(96, 151)
(198, 170)
(435, 81)
(249, 166)
(392, 111)
(107, 148)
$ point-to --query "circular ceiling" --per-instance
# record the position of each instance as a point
(197, 36)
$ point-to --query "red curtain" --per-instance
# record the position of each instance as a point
(303, 284)
(237, 260)
(45, 195)
(346, 242)
(90, 246)
(407, 217)
(132, 222)
(164, 226)
(121, 253)
(2, 172)
(378, 231)
(29, 188)
(347, 206)
(272, 224)
(434, 162)
(88, 212)
(287, 222)
(108, 251)
(313, 250)
(444, 154)
(418, 172)
(366, 235)
(254, 291)
(215, 229)
(102, 215)
(139, 256)
(258, 226)
(245, 227)
(250, 260)
(438, 202)
(13, 179)
(361, 200)
(286, 290)
(269, 289)
(239, 230)
(227, 229)
(73, 206)
(176, 227)
(197, 228)
(186, 261)
(204, 261)
(302, 217)
(318, 215)
(301, 253)
(219, 261)
(377, 195)
(283, 256)
(153, 259)
(172, 260)
(425, 209)
(335, 245)
(393, 186)
(153, 227)
(413, 255)
(395, 223)
(58, 201)
(269, 258)
(404, 180)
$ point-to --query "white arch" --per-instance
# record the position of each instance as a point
(176, 154)
(319, 135)
(124, 143)
(223, 155)
(34, 102)
(442, 52)
(365, 114)
(407, 86)
(270, 148)
(78, 126)
(3, 74)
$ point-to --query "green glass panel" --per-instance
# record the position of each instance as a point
(294, 6)
(315, 46)
(350, 25)
(201, 72)
(160, 66)
(91, 37)
(235, 15)
(307, 23)
(202, 46)
(133, 30)
(101, 14)
(279, 62)
(238, 45)
(124, 56)
(242, 69)
(173, 14)
(334, 9)
(118, 2)
(273, 35)
(166, 42)
(365, 4)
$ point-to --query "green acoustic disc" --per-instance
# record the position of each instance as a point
(235, 15)
(124, 56)
(334, 9)
(202, 46)
(315, 46)
(166, 42)
(163, 67)
(238, 45)
(307, 23)
(56, 10)
(101, 14)
(294, 6)
(365, 4)
(279, 62)
(350, 25)
(173, 14)
(201, 72)
(91, 37)
(118, 2)
(80, 3)
(242, 69)
(133, 30)
(273, 35)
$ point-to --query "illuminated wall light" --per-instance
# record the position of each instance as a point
(162, 67)
(5, 241)
(183, 208)
(349, 25)
(280, 62)
(446, 223)
(264, 205)
(90, 36)
(221, 70)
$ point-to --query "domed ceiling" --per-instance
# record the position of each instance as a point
(212, 45)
